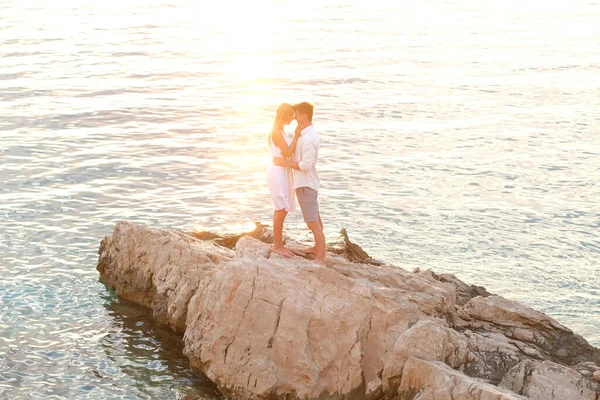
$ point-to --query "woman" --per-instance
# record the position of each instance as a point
(280, 179)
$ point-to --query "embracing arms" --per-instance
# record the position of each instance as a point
(279, 141)
(309, 158)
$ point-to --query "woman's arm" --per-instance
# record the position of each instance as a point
(284, 162)
(286, 150)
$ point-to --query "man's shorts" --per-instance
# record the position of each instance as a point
(309, 204)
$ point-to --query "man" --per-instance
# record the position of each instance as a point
(306, 180)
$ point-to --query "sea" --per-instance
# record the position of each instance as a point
(456, 135)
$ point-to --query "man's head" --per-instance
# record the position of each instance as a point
(304, 113)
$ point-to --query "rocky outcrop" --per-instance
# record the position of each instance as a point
(550, 381)
(431, 380)
(261, 326)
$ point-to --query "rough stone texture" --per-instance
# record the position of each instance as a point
(267, 328)
(535, 334)
(545, 380)
(157, 268)
(464, 292)
(431, 380)
(262, 326)
(428, 340)
(587, 369)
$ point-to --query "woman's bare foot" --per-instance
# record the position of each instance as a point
(310, 250)
(282, 251)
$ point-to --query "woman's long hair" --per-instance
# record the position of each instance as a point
(284, 112)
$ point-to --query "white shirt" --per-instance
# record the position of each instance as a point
(306, 154)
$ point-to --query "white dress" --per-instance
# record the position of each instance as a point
(281, 181)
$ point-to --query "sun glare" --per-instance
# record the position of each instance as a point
(245, 38)
(246, 32)
(240, 227)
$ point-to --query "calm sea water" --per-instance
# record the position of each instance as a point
(459, 136)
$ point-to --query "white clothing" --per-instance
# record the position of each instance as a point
(307, 152)
(281, 181)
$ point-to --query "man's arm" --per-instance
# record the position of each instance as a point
(309, 158)
(282, 162)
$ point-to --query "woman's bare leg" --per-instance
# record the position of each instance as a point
(278, 247)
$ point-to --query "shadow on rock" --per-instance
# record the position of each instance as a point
(260, 232)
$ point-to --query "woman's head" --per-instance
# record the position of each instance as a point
(284, 115)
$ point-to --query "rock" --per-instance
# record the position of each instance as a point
(545, 380)
(351, 251)
(536, 334)
(268, 329)
(509, 313)
(586, 368)
(157, 268)
(428, 340)
(596, 376)
(427, 380)
(261, 326)
(491, 355)
(260, 232)
(464, 292)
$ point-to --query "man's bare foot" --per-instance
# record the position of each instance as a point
(282, 251)
(310, 250)
(291, 253)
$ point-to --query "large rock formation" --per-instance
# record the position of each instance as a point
(261, 326)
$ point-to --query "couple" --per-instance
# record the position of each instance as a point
(295, 169)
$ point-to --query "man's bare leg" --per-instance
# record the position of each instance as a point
(313, 249)
(319, 236)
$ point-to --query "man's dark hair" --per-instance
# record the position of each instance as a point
(305, 108)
